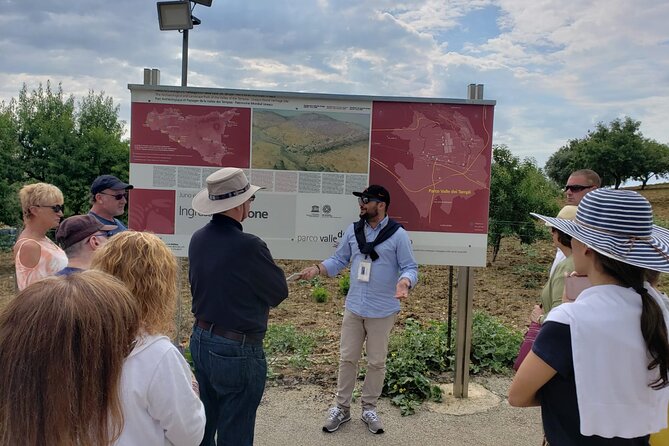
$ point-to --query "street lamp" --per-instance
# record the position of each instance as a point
(177, 15)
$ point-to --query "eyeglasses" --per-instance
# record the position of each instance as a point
(56, 207)
(365, 200)
(576, 187)
(118, 197)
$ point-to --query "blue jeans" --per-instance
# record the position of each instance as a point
(231, 376)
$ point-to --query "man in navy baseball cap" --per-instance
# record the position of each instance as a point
(374, 193)
(109, 195)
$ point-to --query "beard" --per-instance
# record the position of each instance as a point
(367, 214)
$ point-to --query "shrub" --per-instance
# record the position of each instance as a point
(319, 294)
(344, 284)
(494, 345)
(413, 354)
(419, 352)
(7, 239)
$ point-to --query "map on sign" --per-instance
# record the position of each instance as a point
(190, 135)
(435, 161)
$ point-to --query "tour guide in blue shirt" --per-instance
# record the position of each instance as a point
(383, 269)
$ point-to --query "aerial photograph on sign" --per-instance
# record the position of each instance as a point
(435, 161)
(310, 141)
(190, 135)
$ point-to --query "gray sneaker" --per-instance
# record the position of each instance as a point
(336, 417)
(372, 421)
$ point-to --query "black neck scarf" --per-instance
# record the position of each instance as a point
(385, 234)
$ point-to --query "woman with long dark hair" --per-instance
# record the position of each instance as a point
(599, 365)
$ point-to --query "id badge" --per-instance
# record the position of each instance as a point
(364, 270)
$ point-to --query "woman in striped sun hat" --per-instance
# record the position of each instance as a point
(599, 365)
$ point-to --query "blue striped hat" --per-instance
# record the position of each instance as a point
(619, 225)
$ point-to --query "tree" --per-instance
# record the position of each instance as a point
(613, 151)
(516, 189)
(652, 161)
(55, 139)
(10, 213)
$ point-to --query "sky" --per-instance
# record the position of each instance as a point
(555, 68)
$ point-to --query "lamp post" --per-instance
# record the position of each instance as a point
(177, 15)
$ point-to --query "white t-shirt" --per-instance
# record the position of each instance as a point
(159, 405)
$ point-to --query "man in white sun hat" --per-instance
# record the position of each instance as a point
(234, 282)
(599, 366)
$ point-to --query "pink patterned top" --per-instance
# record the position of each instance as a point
(52, 259)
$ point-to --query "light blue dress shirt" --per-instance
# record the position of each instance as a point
(376, 298)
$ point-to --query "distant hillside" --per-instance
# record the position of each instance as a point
(306, 133)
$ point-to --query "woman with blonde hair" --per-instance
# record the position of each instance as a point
(63, 342)
(599, 367)
(159, 403)
(35, 256)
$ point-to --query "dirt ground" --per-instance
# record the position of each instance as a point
(506, 289)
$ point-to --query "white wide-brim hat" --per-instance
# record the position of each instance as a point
(619, 225)
(226, 188)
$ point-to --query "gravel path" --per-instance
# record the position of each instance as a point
(294, 417)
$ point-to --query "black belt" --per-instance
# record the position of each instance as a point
(232, 335)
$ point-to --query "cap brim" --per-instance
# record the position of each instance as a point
(203, 205)
(123, 186)
(651, 253)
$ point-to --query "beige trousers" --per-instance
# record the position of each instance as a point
(354, 331)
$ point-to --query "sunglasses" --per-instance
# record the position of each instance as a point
(253, 197)
(576, 187)
(365, 200)
(103, 234)
(117, 197)
(56, 208)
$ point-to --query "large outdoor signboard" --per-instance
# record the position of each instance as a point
(310, 152)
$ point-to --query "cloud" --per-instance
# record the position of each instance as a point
(555, 68)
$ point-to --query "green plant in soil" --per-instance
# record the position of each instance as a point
(344, 284)
(319, 294)
(283, 343)
(419, 353)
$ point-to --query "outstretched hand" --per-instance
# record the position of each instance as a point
(309, 272)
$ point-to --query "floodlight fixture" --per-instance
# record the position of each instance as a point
(177, 15)
(174, 15)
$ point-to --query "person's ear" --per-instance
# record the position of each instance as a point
(94, 242)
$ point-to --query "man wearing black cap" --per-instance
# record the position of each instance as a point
(109, 195)
(383, 269)
(80, 236)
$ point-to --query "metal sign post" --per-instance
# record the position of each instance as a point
(463, 340)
